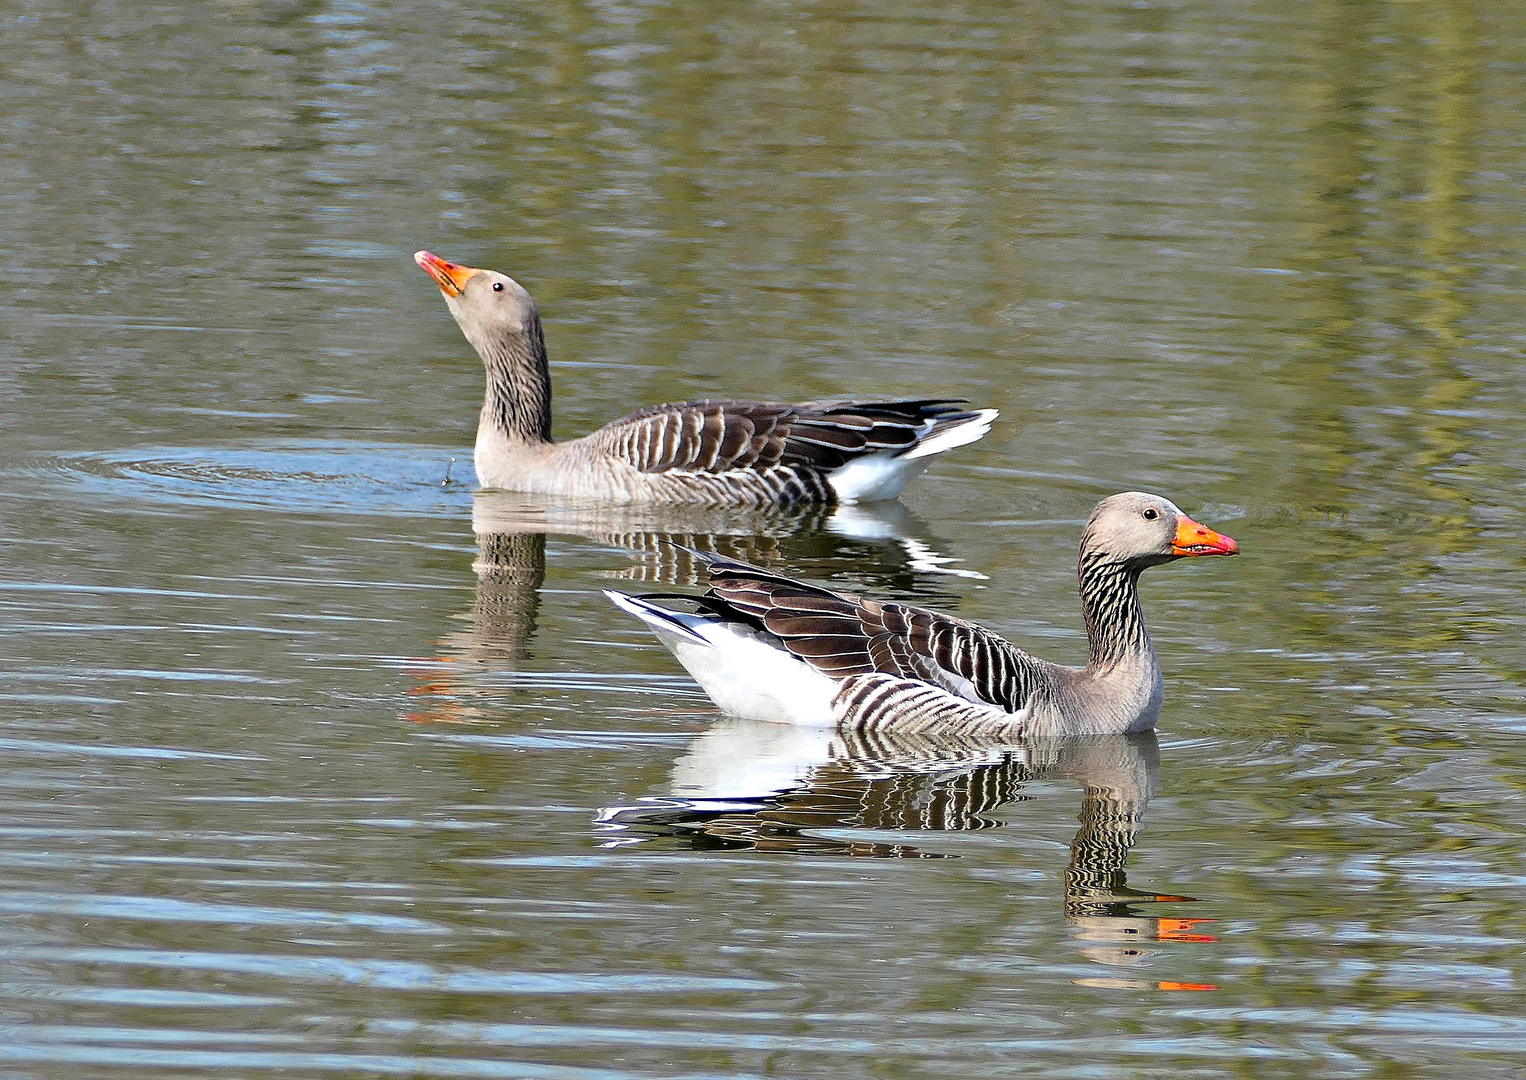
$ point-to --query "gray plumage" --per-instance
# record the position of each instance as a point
(713, 453)
(887, 664)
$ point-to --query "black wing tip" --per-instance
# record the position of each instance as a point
(891, 403)
(941, 410)
(706, 604)
(909, 407)
(723, 564)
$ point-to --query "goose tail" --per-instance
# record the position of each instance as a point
(873, 477)
(661, 620)
(960, 434)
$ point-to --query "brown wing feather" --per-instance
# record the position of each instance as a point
(843, 635)
(697, 436)
(828, 435)
(722, 436)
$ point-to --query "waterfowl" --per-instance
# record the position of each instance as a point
(768, 647)
(711, 453)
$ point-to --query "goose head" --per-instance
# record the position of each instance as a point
(1136, 530)
(494, 311)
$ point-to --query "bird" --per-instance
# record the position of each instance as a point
(769, 647)
(748, 454)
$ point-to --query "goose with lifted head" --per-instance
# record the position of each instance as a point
(772, 648)
(711, 453)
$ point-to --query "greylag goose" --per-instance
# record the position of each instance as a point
(771, 648)
(713, 453)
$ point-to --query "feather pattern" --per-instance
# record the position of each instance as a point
(766, 452)
(877, 702)
(843, 636)
(771, 647)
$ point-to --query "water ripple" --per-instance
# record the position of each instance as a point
(165, 909)
(309, 476)
(399, 975)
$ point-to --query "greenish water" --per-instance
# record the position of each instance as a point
(316, 765)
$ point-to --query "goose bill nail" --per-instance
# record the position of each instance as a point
(449, 276)
(1194, 539)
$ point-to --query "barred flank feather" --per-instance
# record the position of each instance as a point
(878, 701)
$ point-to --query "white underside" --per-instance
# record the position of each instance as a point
(737, 667)
(882, 476)
(873, 478)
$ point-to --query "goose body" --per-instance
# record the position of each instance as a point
(711, 453)
(769, 647)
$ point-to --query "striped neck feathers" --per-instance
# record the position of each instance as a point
(518, 401)
(1115, 629)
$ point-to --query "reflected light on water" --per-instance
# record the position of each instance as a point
(318, 763)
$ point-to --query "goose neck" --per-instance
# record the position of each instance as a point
(1115, 629)
(517, 405)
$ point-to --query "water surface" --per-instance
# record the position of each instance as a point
(318, 763)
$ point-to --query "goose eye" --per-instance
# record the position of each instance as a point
(1151, 514)
(498, 286)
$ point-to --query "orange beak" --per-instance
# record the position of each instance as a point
(450, 277)
(1194, 539)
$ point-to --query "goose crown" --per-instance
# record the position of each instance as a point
(491, 308)
(1132, 528)
(1135, 529)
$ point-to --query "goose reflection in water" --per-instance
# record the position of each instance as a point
(511, 530)
(748, 784)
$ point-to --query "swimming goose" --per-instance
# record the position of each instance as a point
(771, 648)
(713, 453)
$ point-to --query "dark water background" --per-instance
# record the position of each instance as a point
(305, 775)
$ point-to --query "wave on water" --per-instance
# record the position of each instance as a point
(312, 476)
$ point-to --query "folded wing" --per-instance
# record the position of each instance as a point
(845, 637)
(717, 437)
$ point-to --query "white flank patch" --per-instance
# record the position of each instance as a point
(882, 476)
(972, 430)
(737, 667)
(875, 477)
